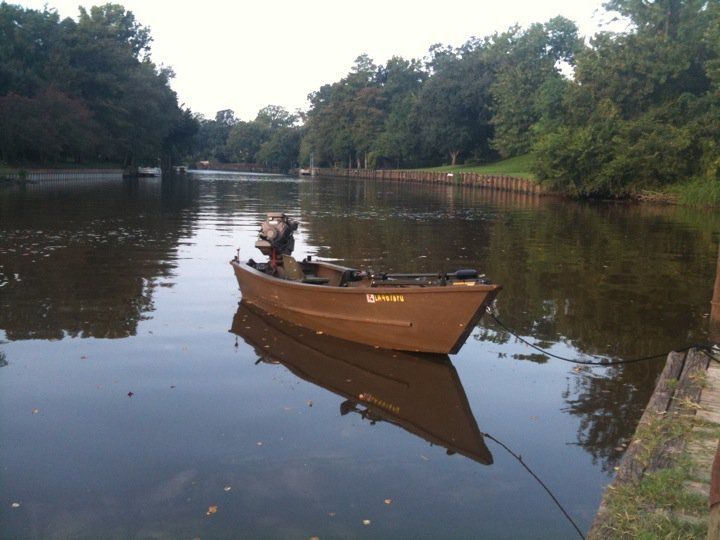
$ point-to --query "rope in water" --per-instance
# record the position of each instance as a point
(537, 478)
(706, 349)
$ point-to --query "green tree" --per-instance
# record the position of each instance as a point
(399, 141)
(245, 141)
(48, 127)
(282, 150)
(275, 117)
(454, 104)
(529, 68)
(98, 67)
(643, 111)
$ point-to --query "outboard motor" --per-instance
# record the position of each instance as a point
(276, 237)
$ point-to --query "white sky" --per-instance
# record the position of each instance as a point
(246, 55)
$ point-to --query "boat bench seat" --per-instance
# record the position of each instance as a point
(314, 280)
(294, 272)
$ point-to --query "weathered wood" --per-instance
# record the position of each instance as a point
(689, 385)
(715, 305)
(677, 388)
(683, 402)
(632, 468)
(714, 518)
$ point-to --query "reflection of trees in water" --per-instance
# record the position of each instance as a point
(83, 260)
(610, 279)
(392, 227)
(608, 406)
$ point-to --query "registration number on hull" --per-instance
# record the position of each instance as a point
(377, 298)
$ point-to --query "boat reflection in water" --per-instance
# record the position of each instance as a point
(421, 393)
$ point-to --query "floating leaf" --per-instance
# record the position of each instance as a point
(211, 510)
(15, 505)
(227, 488)
(366, 522)
(388, 501)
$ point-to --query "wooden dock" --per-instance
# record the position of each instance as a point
(675, 441)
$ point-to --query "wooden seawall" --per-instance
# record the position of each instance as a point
(61, 175)
(489, 181)
(671, 452)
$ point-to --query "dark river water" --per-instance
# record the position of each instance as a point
(137, 400)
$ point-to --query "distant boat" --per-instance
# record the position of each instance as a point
(411, 312)
(147, 172)
(305, 172)
(420, 393)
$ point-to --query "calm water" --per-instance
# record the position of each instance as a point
(128, 408)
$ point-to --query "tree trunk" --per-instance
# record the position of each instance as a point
(453, 156)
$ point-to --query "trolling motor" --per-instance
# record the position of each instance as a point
(276, 237)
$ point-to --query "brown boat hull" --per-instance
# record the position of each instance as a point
(423, 319)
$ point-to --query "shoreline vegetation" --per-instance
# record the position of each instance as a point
(693, 193)
(631, 114)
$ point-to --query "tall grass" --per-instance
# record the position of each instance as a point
(697, 192)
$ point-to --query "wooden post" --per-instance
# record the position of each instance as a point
(714, 519)
(714, 334)
(715, 305)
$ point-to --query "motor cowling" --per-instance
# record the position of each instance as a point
(276, 234)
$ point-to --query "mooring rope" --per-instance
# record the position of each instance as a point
(539, 481)
(706, 349)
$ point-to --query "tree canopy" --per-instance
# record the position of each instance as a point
(644, 108)
(85, 91)
(605, 116)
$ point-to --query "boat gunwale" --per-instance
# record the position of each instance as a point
(406, 289)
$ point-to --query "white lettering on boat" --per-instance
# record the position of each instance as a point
(374, 298)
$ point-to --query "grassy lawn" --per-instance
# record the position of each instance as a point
(517, 166)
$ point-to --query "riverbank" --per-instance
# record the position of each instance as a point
(662, 485)
(692, 193)
(21, 176)
(500, 182)
(518, 167)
